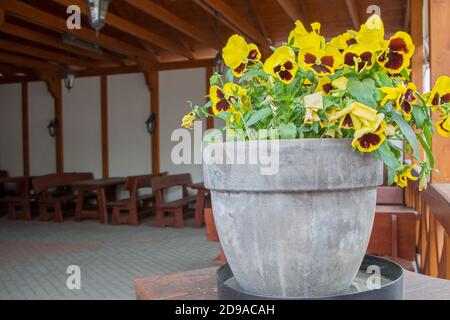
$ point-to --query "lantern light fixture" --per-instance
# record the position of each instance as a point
(69, 78)
(219, 65)
(97, 13)
(151, 123)
(52, 126)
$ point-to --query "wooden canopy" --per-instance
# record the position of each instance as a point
(164, 34)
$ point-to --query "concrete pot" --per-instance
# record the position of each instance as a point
(302, 232)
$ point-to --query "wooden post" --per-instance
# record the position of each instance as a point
(209, 73)
(416, 27)
(25, 130)
(53, 81)
(105, 129)
(154, 107)
(440, 65)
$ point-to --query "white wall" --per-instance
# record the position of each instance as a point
(82, 127)
(129, 107)
(176, 88)
(129, 141)
(11, 129)
(41, 108)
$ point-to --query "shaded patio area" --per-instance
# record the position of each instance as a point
(34, 257)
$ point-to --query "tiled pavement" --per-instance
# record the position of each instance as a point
(34, 257)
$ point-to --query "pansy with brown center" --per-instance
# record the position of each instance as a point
(321, 62)
(238, 55)
(370, 138)
(440, 94)
(281, 64)
(398, 53)
(343, 41)
(226, 100)
(359, 58)
(403, 97)
(443, 125)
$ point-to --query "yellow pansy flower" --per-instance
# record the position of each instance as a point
(440, 93)
(300, 38)
(403, 98)
(370, 138)
(359, 57)
(343, 41)
(188, 120)
(281, 64)
(238, 54)
(321, 62)
(443, 125)
(226, 100)
(401, 178)
(355, 116)
(371, 33)
(398, 52)
(325, 85)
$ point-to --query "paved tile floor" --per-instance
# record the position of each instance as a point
(34, 257)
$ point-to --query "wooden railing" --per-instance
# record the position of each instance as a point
(433, 245)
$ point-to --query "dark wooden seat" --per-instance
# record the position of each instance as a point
(137, 205)
(19, 199)
(394, 233)
(54, 192)
(175, 207)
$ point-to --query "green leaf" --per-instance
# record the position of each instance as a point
(288, 131)
(363, 91)
(258, 116)
(385, 154)
(224, 116)
(428, 133)
(229, 76)
(419, 116)
(253, 73)
(390, 176)
(427, 148)
(408, 132)
(382, 79)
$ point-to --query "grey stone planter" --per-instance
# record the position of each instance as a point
(303, 231)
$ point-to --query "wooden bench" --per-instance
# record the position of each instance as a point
(53, 192)
(177, 207)
(394, 233)
(19, 198)
(132, 205)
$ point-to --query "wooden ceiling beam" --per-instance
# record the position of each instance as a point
(254, 12)
(27, 62)
(212, 14)
(164, 15)
(50, 41)
(134, 30)
(353, 12)
(235, 18)
(45, 54)
(406, 23)
(2, 15)
(292, 9)
(31, 14)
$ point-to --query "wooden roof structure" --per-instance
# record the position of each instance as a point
(164, 34)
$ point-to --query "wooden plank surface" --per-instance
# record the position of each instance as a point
(201, 285)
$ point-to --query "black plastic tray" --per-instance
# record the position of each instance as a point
(391, 287)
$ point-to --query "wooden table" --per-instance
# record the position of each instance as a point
(201, 285)
(202, 195)
(101, 187)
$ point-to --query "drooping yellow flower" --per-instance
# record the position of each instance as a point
(369, 138)
(324, 85)
(355, 116)
(359, 57)
(300, 38)
(343, 41)
(321, 62)
(226, 100)
(238, 54)
(340, 83)
(440, 93)
(281, 64)
(371, 34)
(188, 120)
(402, 97)
(398, 53)
(443, 125)
(401, 178)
